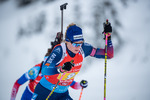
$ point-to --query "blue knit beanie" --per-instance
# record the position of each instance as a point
(74, 34)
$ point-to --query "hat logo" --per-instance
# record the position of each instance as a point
(78, 37)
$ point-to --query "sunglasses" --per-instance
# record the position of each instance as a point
(75, 44)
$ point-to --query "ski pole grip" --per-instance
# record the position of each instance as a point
(72, 63)
(63, 6)
(106, 21)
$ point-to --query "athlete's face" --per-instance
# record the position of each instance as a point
(75, 46)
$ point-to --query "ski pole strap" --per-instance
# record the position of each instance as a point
(62, 76)
(106, 39)
(81, 94)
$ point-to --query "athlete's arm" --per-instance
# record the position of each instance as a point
(48, 67)
(98, 52)
(75, 85)
(31, 74)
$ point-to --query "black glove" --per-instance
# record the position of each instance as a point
(67, 66)
(84, 83)
(107, 28)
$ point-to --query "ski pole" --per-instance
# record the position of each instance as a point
(55, 86)
(58, 81)
(81, 94)
(105, 68)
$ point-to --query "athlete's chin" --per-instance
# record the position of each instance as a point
(76, 51)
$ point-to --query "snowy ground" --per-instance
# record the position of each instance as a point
(127, 73)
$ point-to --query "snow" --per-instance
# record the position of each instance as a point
(127, 73)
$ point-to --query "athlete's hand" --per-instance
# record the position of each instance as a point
(67, 66)
(107, 29)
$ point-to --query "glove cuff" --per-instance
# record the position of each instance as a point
(17, 84)
(109, 38)
(60, 70)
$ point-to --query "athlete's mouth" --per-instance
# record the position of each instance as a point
(76, 50)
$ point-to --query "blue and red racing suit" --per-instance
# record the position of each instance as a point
(58, 57)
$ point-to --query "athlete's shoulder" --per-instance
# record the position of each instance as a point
(86, 44)
(58, 49)
(87, 48)
(33, 72)
(56, 54)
